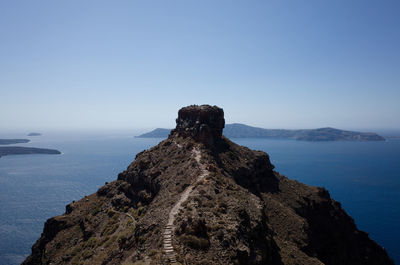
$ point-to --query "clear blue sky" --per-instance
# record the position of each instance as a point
(133, 64)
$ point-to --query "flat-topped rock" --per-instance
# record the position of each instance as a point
(202, 123)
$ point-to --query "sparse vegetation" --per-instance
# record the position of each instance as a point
(96, 210)
(194, 241)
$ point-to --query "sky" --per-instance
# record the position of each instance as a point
(132, 64)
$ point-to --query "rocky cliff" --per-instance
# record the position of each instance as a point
(198, 198)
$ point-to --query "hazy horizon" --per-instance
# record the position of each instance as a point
(122, 65)
(132, 132)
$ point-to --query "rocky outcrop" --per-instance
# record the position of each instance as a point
(202, 123)
(198, 198)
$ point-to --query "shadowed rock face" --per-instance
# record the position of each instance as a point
(202, 123)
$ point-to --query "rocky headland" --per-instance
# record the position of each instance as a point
(199, 198)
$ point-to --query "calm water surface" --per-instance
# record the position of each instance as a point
(364, 177)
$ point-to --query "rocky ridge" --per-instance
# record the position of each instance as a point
(198, 198)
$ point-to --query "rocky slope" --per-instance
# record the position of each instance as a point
(198, 198)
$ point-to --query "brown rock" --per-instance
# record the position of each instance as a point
(202, 123)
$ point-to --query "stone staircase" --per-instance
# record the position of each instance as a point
(169, 228)
(169, 250)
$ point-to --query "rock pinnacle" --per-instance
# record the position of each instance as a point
(202, 123)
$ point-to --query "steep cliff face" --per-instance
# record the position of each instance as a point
(198, 198)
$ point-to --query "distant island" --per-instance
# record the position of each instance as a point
(156, 133)
(13, 141)
(237, 130)
(392, 137)
(18, 150)
(34, 134)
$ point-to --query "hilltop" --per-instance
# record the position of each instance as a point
(199, 198)
(237, 130)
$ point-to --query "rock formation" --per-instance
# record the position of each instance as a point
(198, 198)
(201, 123)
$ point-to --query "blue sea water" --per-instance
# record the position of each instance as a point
(363, 176)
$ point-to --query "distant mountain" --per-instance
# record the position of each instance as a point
(237, 130)
(18, 150)
(34, 134)
(13, 141)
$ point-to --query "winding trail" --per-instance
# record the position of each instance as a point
(127, 214)
(170, 228)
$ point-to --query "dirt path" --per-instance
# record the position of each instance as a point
(170, 228)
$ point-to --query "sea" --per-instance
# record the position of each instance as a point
(363, 176)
